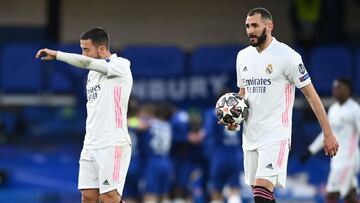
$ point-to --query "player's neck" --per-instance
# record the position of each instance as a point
(343, 101)
(106, 55)
(264, 45)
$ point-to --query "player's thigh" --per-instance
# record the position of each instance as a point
(88, 171)
(110, 197)
(272, 162)
(89, 195)
(113, 163)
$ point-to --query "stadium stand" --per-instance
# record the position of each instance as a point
(155, 61)
(20, 72)
(214, 59)
(326, 63)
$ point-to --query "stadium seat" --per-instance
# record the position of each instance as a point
(326, 63)
(20, 71)
(214, 59)
(357, 72)
(157, 61)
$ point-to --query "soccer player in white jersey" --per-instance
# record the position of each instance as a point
(105, 157)
(344, 117)
(267, 73)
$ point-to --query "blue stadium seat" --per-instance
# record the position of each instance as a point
(20, 71)
(357, 72)
(214, 59)
(157, 61)
(326, 63)
(64, 78)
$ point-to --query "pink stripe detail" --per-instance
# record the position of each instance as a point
(288, 100)
(343, 175)
(116, 105)
(281, 153)
(118, 110)
(264, 195)
(117, 163)
(353, 144)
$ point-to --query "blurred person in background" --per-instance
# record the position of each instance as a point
(200, 169)
(344, 117)
(105, 156)
(156, 134)
(267, 73)
(181, 156)
(306, 16)
(132, 193)
(223, 149)
(188, 158)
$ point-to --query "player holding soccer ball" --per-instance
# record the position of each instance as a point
(267, 73)
(105, 157)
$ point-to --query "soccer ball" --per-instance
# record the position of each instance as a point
(232, 108)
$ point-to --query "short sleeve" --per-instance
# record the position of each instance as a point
(296, 71)
(118, 68)
(240, 81)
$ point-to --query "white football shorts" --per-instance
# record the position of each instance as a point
(342, 180)
(267, 162)
(104, 169)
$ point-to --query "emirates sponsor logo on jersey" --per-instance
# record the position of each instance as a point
(257, 81)
(92, 92)
(257, 85)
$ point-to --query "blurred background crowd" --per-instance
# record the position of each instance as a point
(183, 56)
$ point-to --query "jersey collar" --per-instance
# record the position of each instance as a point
(272, 43)
(111, 57)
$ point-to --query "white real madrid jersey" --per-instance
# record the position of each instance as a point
(107, 104)
(269, 78)
(345, 123)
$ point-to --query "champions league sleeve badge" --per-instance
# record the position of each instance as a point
(302, 69)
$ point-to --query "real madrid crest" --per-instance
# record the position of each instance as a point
(269, 69)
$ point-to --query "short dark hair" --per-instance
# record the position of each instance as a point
(265, 14)
(98, 36)
(347, 82)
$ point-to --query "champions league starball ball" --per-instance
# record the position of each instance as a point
(232, 108)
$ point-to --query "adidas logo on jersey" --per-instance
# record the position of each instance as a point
(106, 182)
(245, 69)
(269, 166)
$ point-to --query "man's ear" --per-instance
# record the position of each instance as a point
(102, 48)
(270, 26)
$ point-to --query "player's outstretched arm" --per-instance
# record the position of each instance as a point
(331, 145)
(76, 60)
